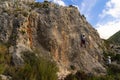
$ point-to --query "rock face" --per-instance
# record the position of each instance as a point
(54, 32)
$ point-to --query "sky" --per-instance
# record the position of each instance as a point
(103, 15)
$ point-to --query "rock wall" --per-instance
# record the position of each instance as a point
(54, 32)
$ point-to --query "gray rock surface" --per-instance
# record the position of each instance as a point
(52, 31)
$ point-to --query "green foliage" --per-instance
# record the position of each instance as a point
(113, 69)
(2, 68)
(5, 57)
(117, 58)
(115, 38)
(22, 32)
(114, 57)
(113, 73)
(3, 51)
(71, 77)
(80, 75)
(3, 48)
(24, 13)
(106, 43)
(36, 5)
(45, 5)
(72, 67)
(36, 69)
(45, 1)
(108, 53)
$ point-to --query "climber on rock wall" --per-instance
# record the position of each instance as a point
(83, 40)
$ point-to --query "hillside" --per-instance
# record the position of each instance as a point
(34, 37)
(115, 38)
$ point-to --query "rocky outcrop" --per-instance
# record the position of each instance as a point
(54, 32)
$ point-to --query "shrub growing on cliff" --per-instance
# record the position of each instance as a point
(36, 5)
(36, 69)
(117, 58)
(45, 4)
(113, 73)
(3, 51)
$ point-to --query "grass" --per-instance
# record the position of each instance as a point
(117, 58)
(113, 73)
(35, 68)
(3, 52)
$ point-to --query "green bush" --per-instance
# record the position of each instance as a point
(45, 4)
(113, 73)
(36, 69)
(113, 69)
(24, 13)
(22, 32)
(3, 52)
(80, 75)
(36, 5)
(108, 53)
(71, 77)
(117, 57)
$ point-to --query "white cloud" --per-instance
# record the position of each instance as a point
(112, 8)
(86, 7)
(108, 29)
(60, 2)
(109, 23)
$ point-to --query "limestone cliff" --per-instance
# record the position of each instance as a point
(52, 31)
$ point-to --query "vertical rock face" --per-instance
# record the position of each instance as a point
(53, 31)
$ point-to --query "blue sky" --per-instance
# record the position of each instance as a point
(104, 15)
